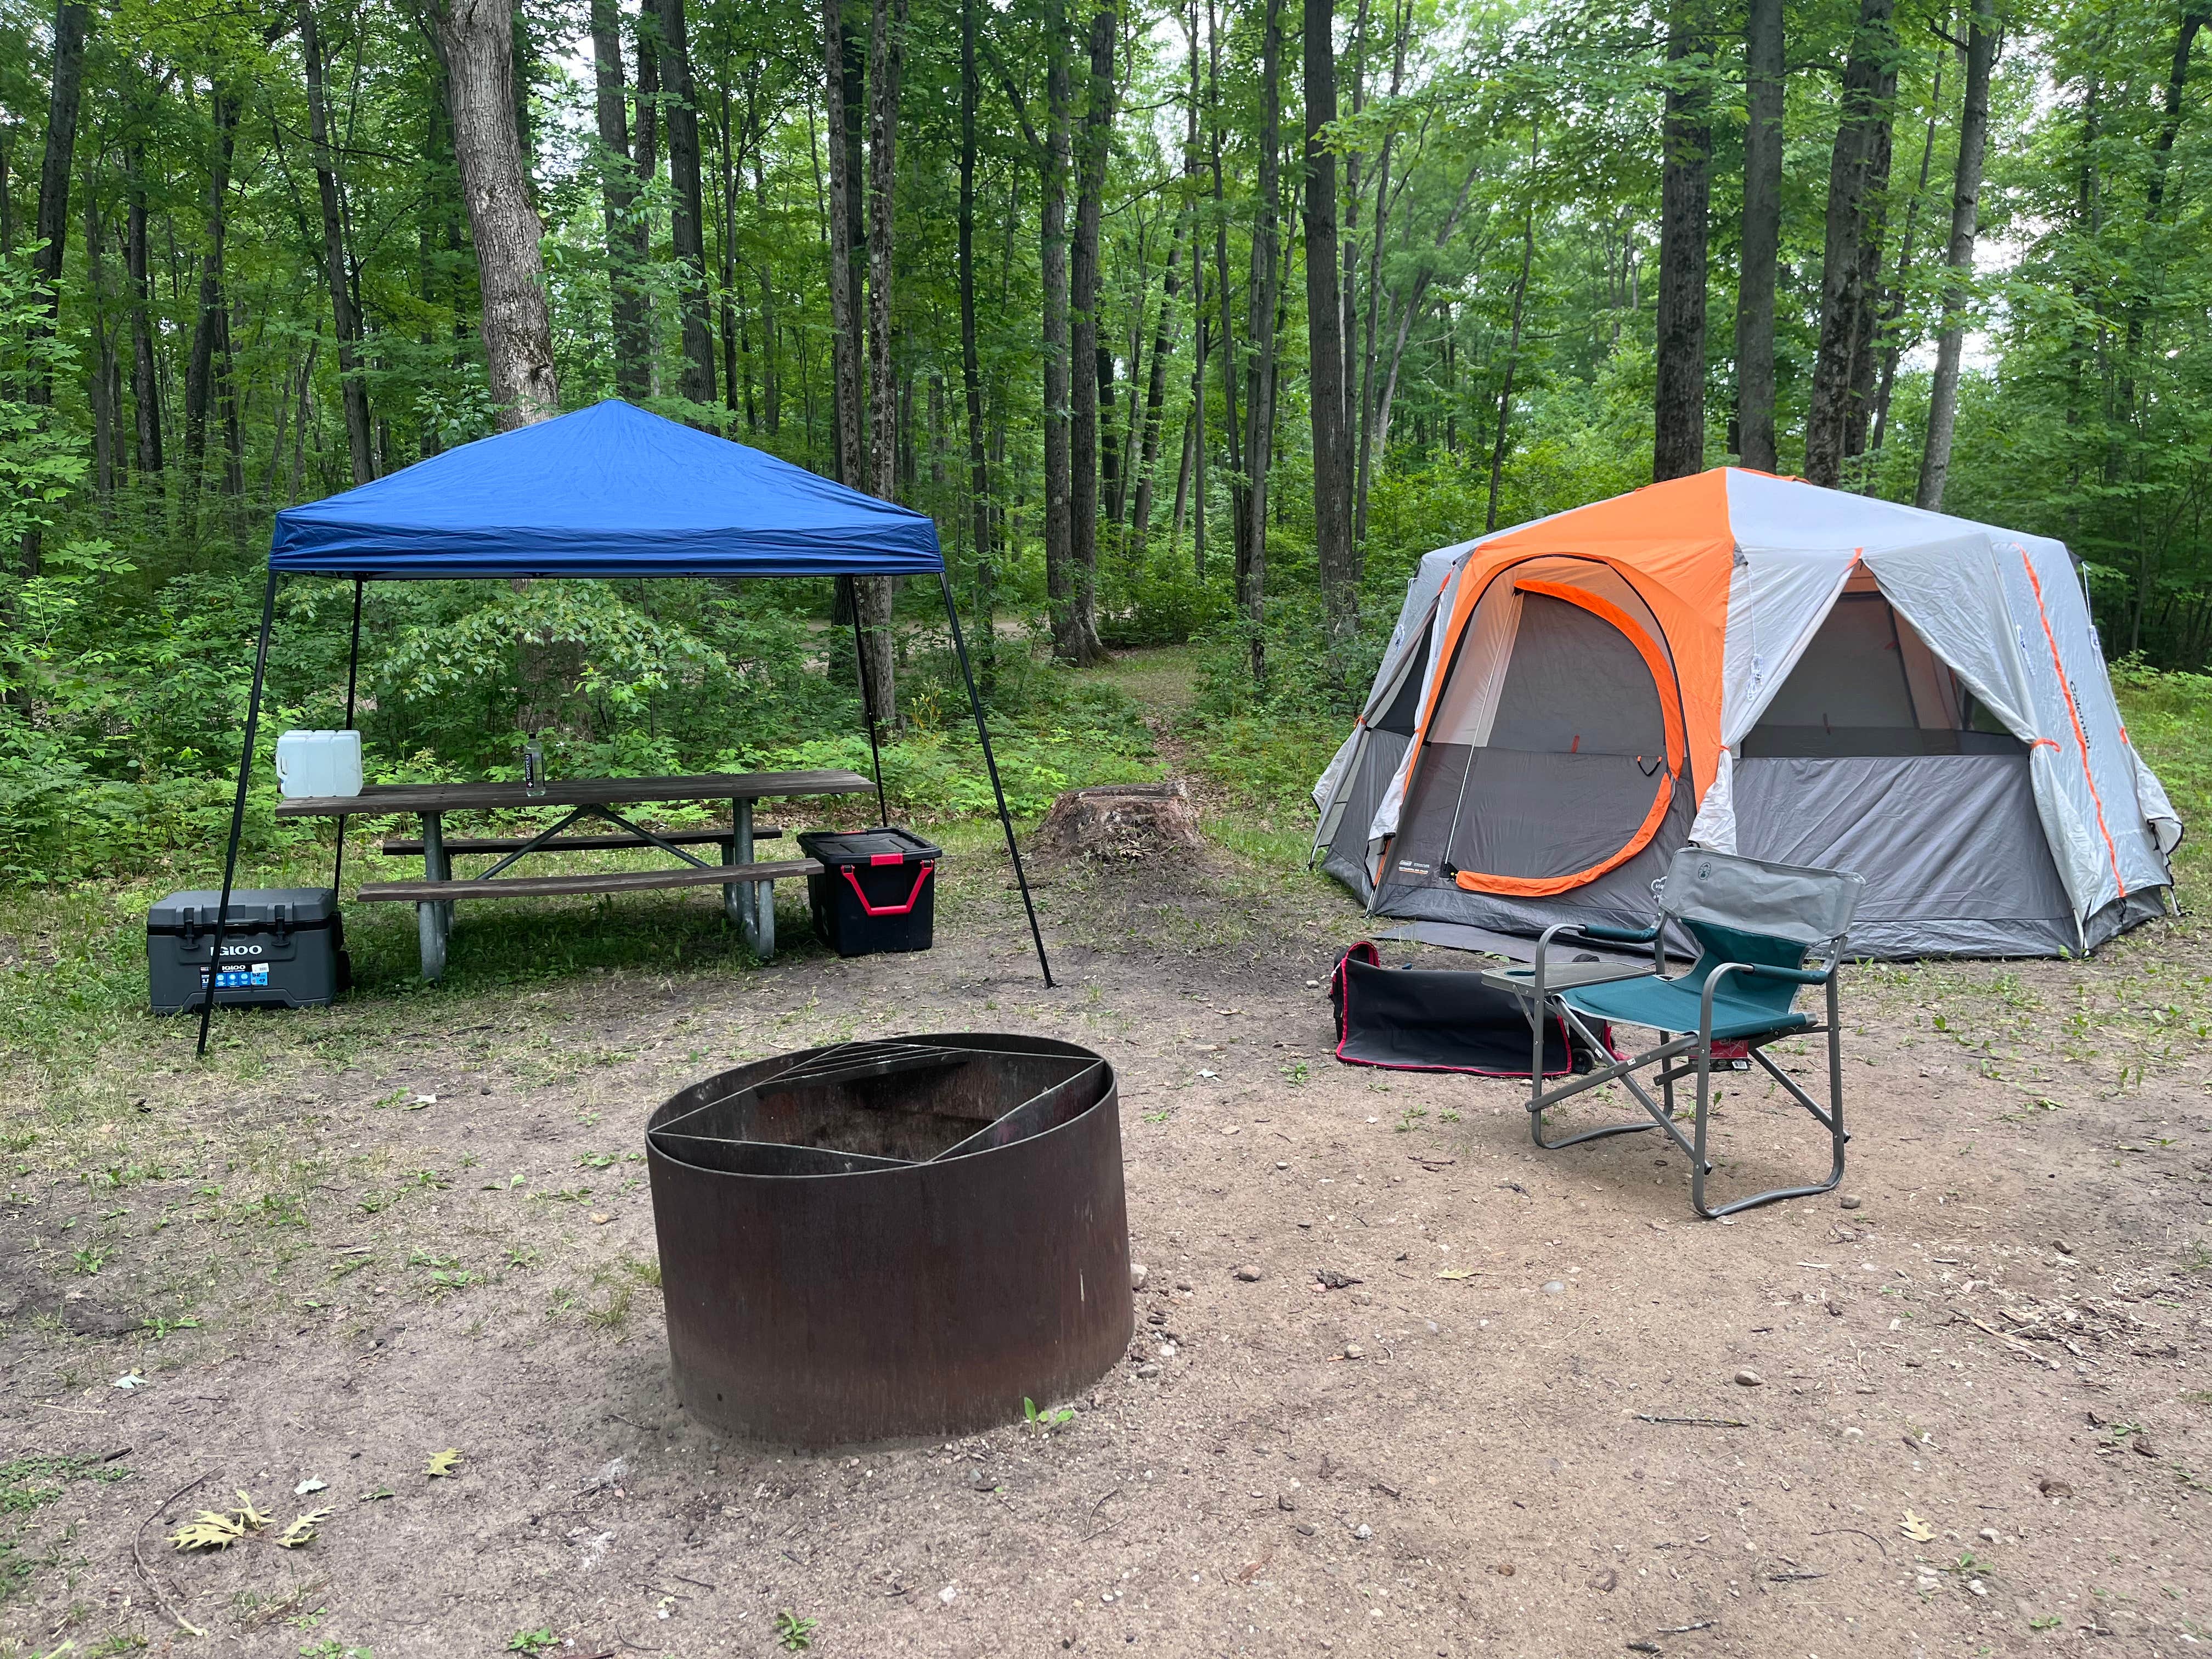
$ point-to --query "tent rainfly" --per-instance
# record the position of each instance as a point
(1759, 666)
(611, 492)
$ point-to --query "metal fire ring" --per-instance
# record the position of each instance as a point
(899, 1237)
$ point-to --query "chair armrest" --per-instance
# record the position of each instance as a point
(1616, 935)
(1794, 975)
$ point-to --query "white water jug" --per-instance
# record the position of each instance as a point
(318, 763)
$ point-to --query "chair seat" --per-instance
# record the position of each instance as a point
(1668, 1005)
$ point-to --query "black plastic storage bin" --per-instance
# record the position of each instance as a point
(878, 892)
(283, 947)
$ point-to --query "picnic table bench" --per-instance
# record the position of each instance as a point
(748, 885)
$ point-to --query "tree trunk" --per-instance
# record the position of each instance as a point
(1868, 75)
(1891, 329)
(971, 376)
(207, 331)
(1155, 390)
(686, 233)
(1334, 550)
(347, 320)
(1231, 427)
(1067, 640)
(1260, 324)
(873, 597)
(618, 208)
(1958, 256)
(1364, 480)
(145, 379)
(844, 300)
(1860, 409)
(474, 38)
(100, 383)
(1512, 361)
(771, 350)
(1083, 355)
(1764, 68)
(1678, 448)
(63, 96)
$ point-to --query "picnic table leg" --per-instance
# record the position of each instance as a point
(750, 904)
(433, 920)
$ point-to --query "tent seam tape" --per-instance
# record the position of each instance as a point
(2080, 738)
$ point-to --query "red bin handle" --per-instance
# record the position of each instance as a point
(921, 876)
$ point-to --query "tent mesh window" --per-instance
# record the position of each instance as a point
(1868, 686)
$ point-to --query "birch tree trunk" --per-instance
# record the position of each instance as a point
(1765, 68)
(1958, 256)
(476, 38)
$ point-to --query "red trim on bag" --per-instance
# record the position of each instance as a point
(921, 876)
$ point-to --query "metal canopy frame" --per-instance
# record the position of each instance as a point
(353, 667)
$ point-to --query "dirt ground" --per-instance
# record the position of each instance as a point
(1977, 1423)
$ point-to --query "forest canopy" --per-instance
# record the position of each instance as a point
(1197, 320)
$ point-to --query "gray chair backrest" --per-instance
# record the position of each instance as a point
(1794, 902)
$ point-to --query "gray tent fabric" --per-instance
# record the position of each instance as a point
(1511, 813)
(1953, 851)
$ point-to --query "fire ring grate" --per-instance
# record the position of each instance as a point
(899, 1237)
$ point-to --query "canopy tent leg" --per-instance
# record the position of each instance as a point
(867, 698)
(983, 735)
(352, 677)
(238, 812)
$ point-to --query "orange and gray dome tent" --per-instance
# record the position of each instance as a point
(1759, 666)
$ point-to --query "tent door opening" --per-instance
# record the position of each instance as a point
(1556, 748)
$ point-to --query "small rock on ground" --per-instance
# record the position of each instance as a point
(1749, 1378)
(1249, 1272)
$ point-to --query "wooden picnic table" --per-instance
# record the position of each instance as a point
(748, 886)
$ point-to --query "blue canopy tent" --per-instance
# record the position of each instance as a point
(611, 492)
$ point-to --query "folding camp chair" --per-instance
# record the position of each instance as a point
(1755, 924)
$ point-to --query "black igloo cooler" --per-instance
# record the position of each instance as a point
(283, 947)
(877, 891)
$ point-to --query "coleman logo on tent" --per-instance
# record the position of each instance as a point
(1407, 867)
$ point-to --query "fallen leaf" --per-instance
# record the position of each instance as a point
(599, 1220)
(443, 1464)
(1457, 1272)
(308, 1485)
(247, 1515)
(129, 1379)
(207, 1531)
(1915, 1528)
(302, 1531)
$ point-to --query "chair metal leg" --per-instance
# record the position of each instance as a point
(1832, 1119)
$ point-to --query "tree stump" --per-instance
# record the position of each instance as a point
(1121, 823)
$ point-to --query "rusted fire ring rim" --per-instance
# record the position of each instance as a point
(1109, 1094)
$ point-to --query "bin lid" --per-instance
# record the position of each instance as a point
(249, 908)
(866, 846)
